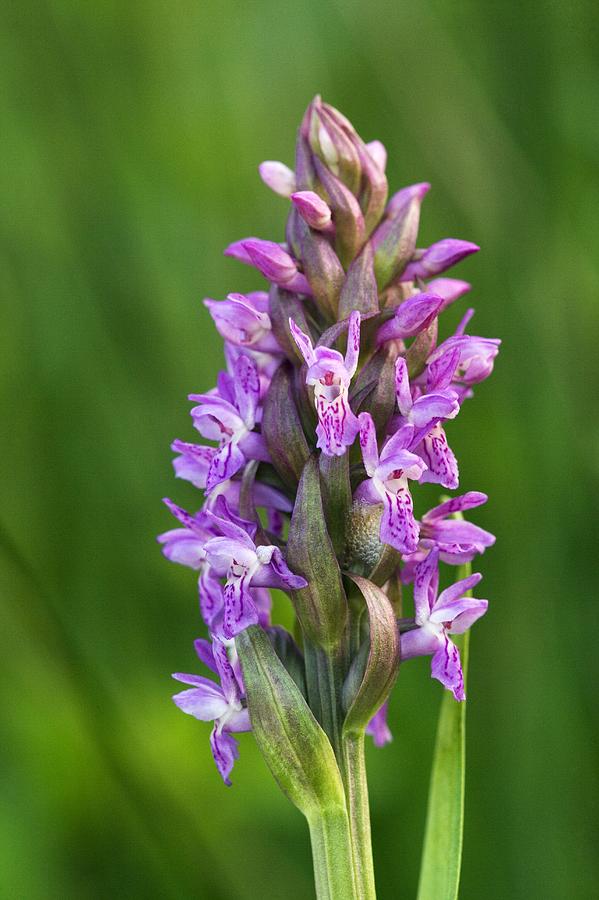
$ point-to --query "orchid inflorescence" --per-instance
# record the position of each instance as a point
(332, 409)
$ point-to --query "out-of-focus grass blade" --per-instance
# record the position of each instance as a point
(443, 837)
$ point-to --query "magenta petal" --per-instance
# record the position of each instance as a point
(399, 528)
(184, 547)
(368, 443)
(211, 595)
(449, 289)
(205, 702)
(303, 342)
(283, 574)
(426, 584)
(402, 386)
(432, 407)
(203, 649)
(446, 667)
(225, 752)
(353, 343)
(228, 460)
(240, 610)
(440, 373)
(440, 459)
(465, 613)
(337, 425)
(378, 728)
(418, 642)
(452, 594)
(469, 500)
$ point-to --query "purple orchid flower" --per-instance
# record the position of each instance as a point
(426, 413)
(243, 320)
(229, 416)
(187, 546)
(273, 261)
(193, 464)
(476, 356)
(221, 704)
(387, 481)
(439, 616)
(331, 374)
(437, 258)
(457, 540)
(266, 364)
(234, 555)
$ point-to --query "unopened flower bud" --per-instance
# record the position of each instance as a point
(313, 210)
(379, 154)
(278, 177)
(438, 257)
(272, 261)
(403, 197)
(411, 317)
(329, 142)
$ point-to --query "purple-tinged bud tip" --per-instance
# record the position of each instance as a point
(439, 257)
(378, 153)
(272, 260)
(313, 210)
(278, 177)
(412, 316)
(401, 199)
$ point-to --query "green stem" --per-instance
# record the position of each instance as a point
(332, 856)
(356, 789)
(325, 672)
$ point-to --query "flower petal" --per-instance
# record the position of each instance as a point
(368, 443)
(240, 610)
(398, 525)
(452, 594)
(469, 500)
(226, 462)
(183, 546)
(303, 342)
(442, 466)
(337, 425)
(205, 702)
(352, 352)
(211, 595)
(446, 667)
(402, 386)
(225, 752)
(426, 585)
(378, 728)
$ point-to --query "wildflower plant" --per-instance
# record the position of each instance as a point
(331, 412)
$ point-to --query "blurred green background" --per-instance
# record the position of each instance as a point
(130, 139)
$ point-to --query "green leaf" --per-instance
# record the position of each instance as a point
(282, 427)
(321, 607)
(296, 749)
(442, 851)
(382, 663)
